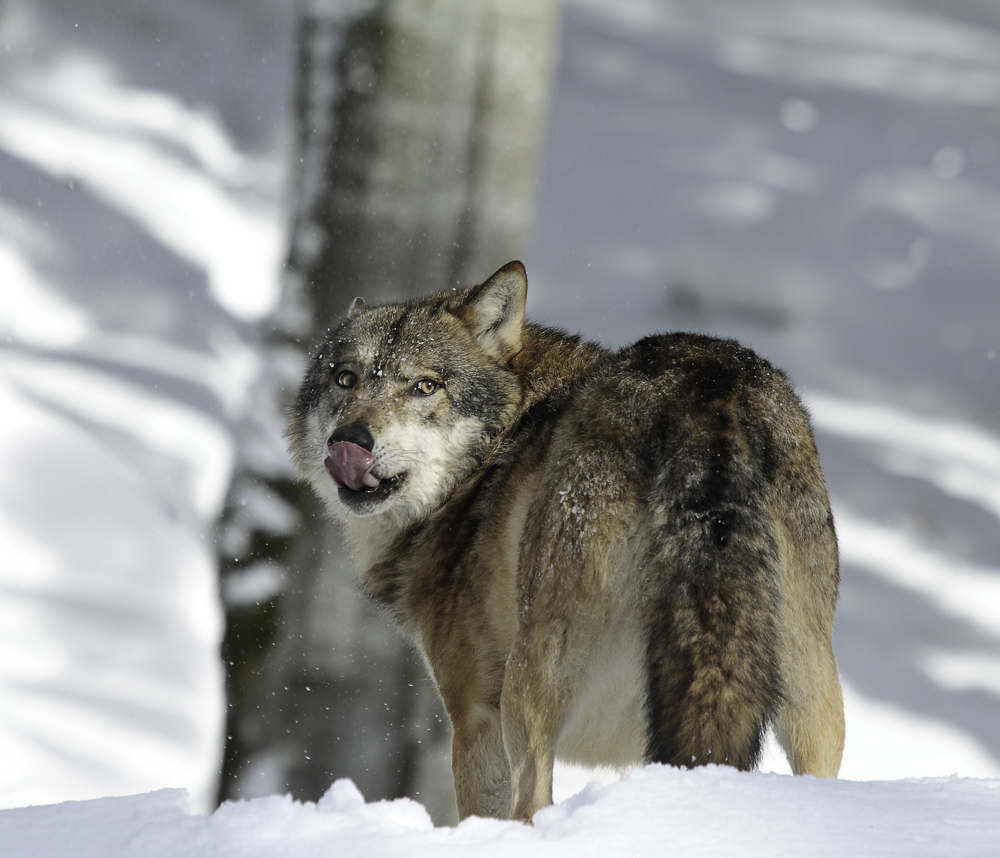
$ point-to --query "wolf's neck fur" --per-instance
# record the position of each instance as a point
(550, 359)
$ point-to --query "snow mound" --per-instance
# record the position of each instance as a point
(710, 811)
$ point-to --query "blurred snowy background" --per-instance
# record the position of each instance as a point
(819, 180)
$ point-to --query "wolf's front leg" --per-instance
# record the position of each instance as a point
(479, 764)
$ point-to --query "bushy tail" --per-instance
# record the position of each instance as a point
(714, 680)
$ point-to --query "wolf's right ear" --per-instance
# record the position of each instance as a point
(494, 311)
(357, 305)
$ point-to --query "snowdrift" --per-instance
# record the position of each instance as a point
(652, 811)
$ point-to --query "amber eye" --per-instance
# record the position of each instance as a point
(425, 387)
(347, 379)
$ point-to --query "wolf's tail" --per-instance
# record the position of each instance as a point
(713, 669)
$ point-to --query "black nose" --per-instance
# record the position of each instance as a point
(355, 434)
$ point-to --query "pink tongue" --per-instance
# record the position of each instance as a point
(351, 466)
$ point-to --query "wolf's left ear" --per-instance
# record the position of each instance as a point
(494, 311)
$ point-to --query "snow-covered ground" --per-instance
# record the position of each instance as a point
(653, 811)
(820, 180)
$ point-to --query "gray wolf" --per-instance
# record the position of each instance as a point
(613, 557)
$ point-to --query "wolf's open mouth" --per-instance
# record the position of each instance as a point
(367, 497)
(351, 468)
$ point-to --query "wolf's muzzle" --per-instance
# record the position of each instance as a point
(353, 434)
(349, 460)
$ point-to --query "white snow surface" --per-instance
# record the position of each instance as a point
(653, 811)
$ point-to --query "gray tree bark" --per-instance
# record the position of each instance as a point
(419, 129)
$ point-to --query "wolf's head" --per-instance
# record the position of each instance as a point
(401, 401)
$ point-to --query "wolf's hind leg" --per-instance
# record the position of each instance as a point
(810, 722)
(810, 725)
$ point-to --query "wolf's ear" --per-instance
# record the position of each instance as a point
(494, 311)
(357, 305)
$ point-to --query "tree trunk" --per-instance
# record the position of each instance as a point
(419, 128)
